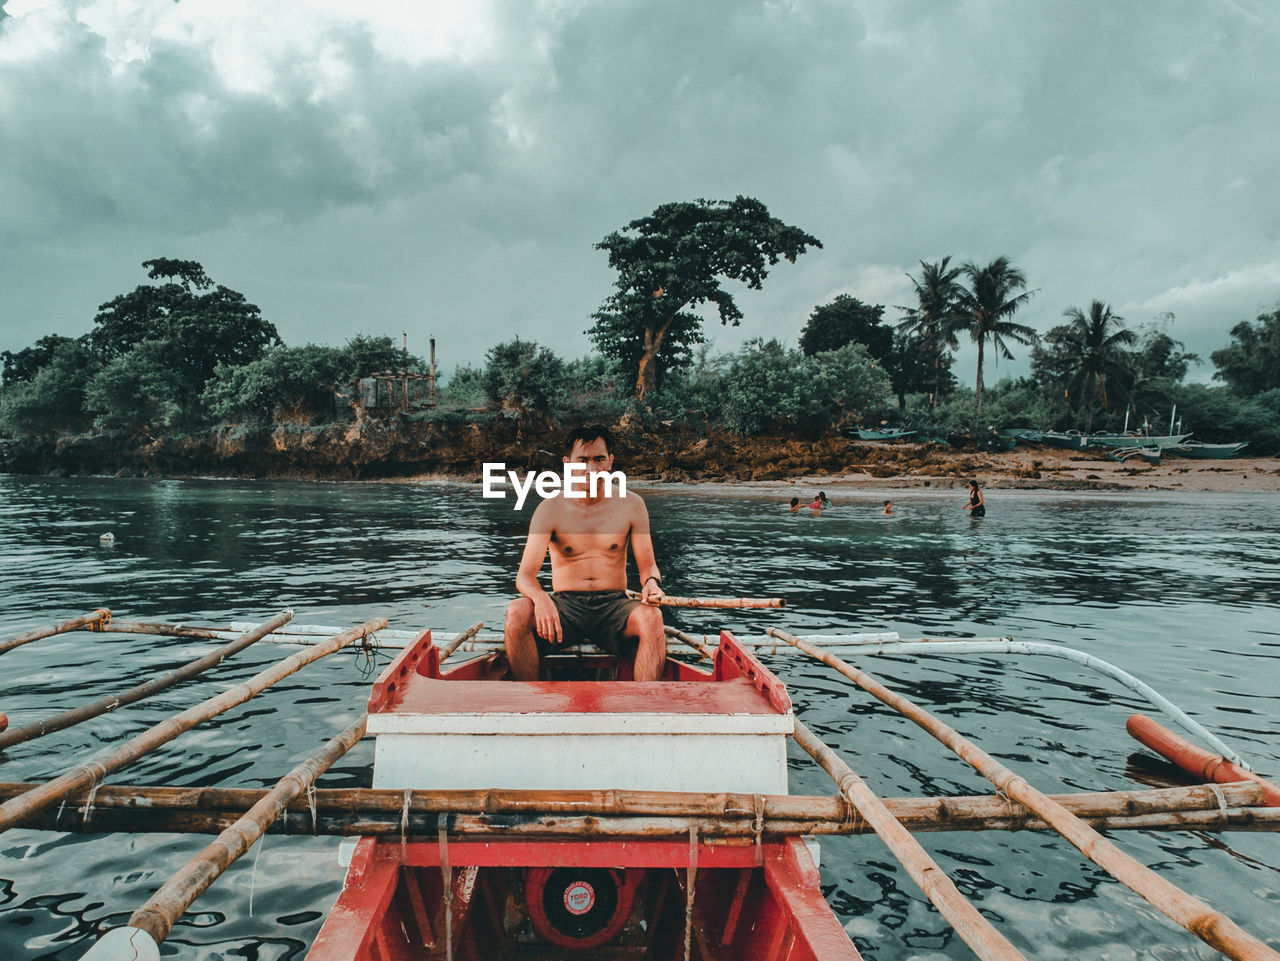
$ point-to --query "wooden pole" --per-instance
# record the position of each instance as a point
(975, 930)
(461, 639)
(169, 630)
(112, 701)
(87, 775)
(355, 811)
(667, 600)
(706, 652)
(158, 915)
(1212, 927)
(431, 397)
(94, 622)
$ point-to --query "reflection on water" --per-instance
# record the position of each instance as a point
(1181, 590)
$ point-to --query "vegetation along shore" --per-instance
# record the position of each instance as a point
(184, 376)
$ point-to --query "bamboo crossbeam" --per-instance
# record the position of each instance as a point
(975, 930)
(721, 603)
(158, 683)
(1211, 926)
(163, 908)
(460, 639)
(170, 630)
(359, 811)
(90, 773)
(94, 622)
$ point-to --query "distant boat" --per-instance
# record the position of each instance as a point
(1150, 455)
(1206, 451)
(885, 433)
(1136, 440)
(1023, 434)
(1070, 441)
(1000, 443)
(931, 435)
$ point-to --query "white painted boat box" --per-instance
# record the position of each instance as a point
(467, 728)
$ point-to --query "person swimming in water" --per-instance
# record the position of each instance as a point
(888, 507)
(976, 506)
(795, 505)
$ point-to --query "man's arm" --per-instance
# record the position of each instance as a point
(545, 616)
(642, 548)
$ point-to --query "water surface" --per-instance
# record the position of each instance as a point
(1182, 590)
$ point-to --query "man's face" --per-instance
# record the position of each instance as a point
(594, 454)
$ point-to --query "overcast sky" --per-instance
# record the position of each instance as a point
(445, 168)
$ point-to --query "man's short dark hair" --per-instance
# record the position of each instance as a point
(587, 434)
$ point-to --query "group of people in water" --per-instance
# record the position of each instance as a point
(976, 506)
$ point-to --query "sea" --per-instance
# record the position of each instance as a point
(1181, 590)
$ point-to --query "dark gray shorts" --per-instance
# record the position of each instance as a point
(596, 616)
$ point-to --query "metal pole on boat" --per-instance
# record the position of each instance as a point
(973, 928)
(93, 772)
(1172, 414)
(1211, 926)
(94, 622)
(158, 683)
(1126, 419)
(154, 920)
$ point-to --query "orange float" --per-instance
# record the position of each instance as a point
(1199, 762)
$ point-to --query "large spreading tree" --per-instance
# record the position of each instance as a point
(1250, 364)
(676, 259)
(993, 295)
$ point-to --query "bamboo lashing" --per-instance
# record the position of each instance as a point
(158, 683)
(158, 915)
(667, 600)
(460, 639)
(375, 811)
(93, 622)
(975, 930)
(1211, 926)
(90, 773)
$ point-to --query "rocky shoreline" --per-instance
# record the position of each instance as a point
(370, 449)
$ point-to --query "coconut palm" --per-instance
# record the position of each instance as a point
(935, 317)
(991, 298)
(1094, 341)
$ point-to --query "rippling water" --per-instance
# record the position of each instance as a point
(1182, 590)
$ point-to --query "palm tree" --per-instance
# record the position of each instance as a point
(1093, 341)
(987, 304)
(935, 318)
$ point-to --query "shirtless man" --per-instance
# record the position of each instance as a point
(587, 538)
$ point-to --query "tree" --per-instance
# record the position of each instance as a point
(917, 365)
(1156, 369)
(846, 320)
(934, 319)
(1093, 343)
(53, 399)
(676, 258)
(1250, 364)
(987, 303)
(206, 324)
(22, 366)
(522, 377)
(289, 381)
(141, 390)
(365, 355)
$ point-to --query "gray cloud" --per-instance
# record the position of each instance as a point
(390, 170)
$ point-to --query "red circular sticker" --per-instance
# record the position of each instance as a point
(579, 897)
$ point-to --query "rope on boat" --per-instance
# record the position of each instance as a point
(1010, 646)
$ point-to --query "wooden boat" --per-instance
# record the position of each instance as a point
(1069, 441)
(1149, 455)
(1205, 451)
(1136, 440)
(886, 433)
(495, 897)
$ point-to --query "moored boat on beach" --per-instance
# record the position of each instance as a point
(883, 433)
(1069, 441)
(1136, 440)
(1200, 451)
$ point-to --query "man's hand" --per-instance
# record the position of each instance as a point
(546, 618)
(651, 593)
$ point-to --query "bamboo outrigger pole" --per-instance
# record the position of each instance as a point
(975, 930)
(461, 638)
(1211, 926)
(156, 918)
(158, 683)
(706, 652)
(379, 810)
(94, 622)
(90, 773)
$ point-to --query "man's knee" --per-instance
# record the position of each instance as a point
(647, 619)
(519, 614)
